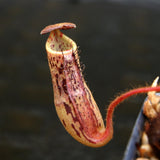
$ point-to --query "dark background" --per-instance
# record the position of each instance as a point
(120, 47)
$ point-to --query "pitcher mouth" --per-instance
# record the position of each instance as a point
(58, 43)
